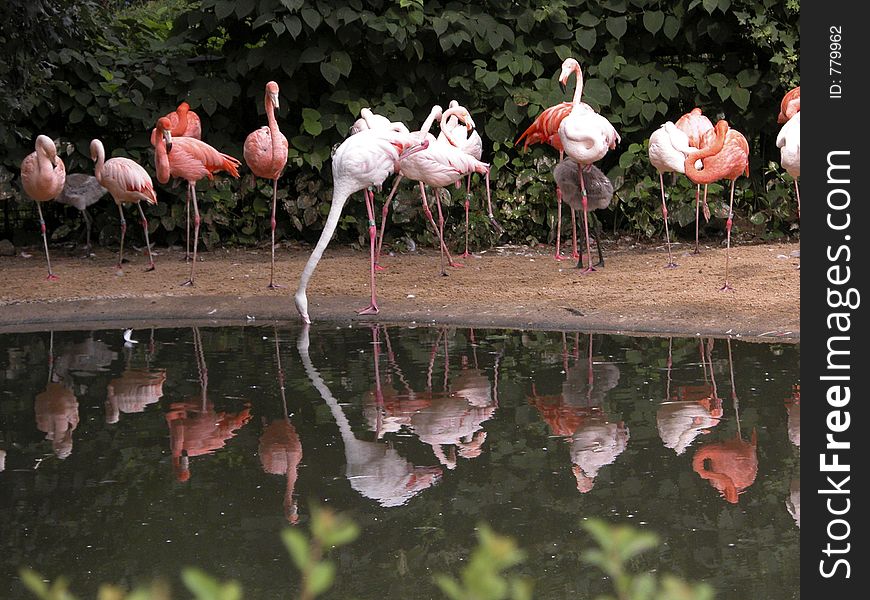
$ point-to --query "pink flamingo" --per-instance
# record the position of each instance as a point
(668, 148)
(362, 160)
(440, 165)
(42, 177)
(469, 141)
(185, 122)
(545, 129)
(727, 157)
(371, 120)
(790, 105)
(586, 137)
(789, 143)
(266, 155)
(189, 159)
(128, 183)
(695, 125)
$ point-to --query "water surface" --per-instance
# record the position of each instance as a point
(197, 446)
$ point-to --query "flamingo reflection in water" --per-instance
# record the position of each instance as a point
(731, 465)
(374, 469)
(451, 418)
(135, 389)
(57, 410)
(577, 415)
(693, 410)
(195, 427)
(280, 448)
(793, 406)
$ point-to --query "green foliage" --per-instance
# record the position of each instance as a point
(483, 578)
(113, 77)
(619, 546)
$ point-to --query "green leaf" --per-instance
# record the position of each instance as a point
(748, 77)
(200, 583)
(293, 25)
(297, 546)
(312, 54)
(311, 17)
(672, 26)
(717, 80)
(597, 93)
(653, 20)
(224, 9)
(648, 111)
(617, 26)
(740, 96)
(586, 38)
(342, 61)
(145, 80)
(710, 5)
(330, 72)
(758, 218)
(244, 7)
(587, 19)
(321, 577)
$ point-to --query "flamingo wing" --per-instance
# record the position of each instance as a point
(128, 177)
(545, 127)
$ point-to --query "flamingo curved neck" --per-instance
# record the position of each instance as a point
(101, 159)
(273, 126)
(578, 91)
(427, 124)
(705, 176)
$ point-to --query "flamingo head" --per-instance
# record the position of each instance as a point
(96, 149)
(46, 144)
(272, 93)
(569, 65)
(164, 127)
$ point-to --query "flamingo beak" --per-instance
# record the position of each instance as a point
(167, 139)
(563, 86)
(274, 98)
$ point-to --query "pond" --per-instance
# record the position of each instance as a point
(197, 446)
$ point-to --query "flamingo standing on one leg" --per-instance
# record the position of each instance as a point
(266, 155)
(586, 137)
(469, 141)
(128, 183)
(695, 125)
(545, 129)
(189, 159)
(185, 123)
(599, 193)
(727, 157)
(362, 160)
(80, 191)
(789, 143)
(668, 148)
(42, 177)
(790, 105)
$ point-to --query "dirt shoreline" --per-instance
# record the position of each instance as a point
(507, 287)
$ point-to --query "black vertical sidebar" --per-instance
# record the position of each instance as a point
(834, 61)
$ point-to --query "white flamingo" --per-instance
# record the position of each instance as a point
(789, 143)
(586, 137)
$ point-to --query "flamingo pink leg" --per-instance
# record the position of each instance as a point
(433, 223)
(698, 215)
(51, 276)
(585, 200)
(196, 220)
(798, 194)
(187, 211)
(123, 233)
(384, 211)
(450, 260)
(671, 264)
(575, 252)
(147, 241)
(467, 205)
(272, 285)
(495, 224)
(728, 224)
(371, 309)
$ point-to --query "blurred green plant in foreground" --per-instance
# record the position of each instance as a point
(485, 577)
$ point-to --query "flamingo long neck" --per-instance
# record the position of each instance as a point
(706, 175)
(43, 160)
(578, 91)
(161, 158)
(273, 125)
(98, 165)
(317, 381)
(181, 127)
(340, 194)
(427, 124)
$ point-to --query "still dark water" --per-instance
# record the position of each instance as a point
(125, 463)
